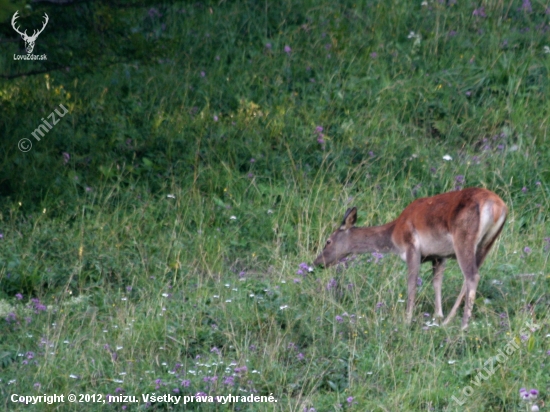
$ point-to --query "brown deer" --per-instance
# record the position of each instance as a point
(462, 225)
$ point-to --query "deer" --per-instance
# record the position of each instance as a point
(461, 225)
(29, 40)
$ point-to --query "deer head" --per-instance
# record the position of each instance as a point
(340, 243)
(29, 40)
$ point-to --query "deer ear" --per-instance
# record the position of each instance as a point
(349, 218)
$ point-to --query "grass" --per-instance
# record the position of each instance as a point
(152, 241)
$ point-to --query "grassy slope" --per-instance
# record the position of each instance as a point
(172, 289)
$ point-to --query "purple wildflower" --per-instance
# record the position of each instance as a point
(527, 250)
(287, 49)
(526, 6)
(374, 55)
(479, 12)
(268, 46)
(332, 284)
(339, 319)
(19, 296)
(300, 356)
(350, 400)
(66, 157)
(185, 383)
(377, 256)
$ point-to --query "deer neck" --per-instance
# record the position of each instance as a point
(374, 239)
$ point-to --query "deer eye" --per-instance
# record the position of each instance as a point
(329, 242)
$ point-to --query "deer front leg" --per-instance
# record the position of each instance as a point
(413, 264)
(438, 269)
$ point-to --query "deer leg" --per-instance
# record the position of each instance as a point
(466, 256)
(438, 269)
(452, 313)
(413, 264)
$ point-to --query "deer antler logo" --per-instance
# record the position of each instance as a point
(29, 40)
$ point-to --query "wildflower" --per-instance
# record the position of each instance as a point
(527, 250)
(185, 383)
(268, 46)
(374, 55)
(379, 305)
(339, 319)
(300, 356)
(377, 256)
(533, 393)
(350, 400)
(229, 380)
(66, 157)
(419, 282)
(526, 6)
(287, 49)
(447, 158)
(479, 12)
(215, 118)
(19, 296)
(38, 306)
(332, 284)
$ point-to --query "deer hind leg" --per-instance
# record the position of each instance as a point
(438, 269)
(467, 256)
(413, 264)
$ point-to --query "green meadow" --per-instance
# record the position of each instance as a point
(159, 239)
